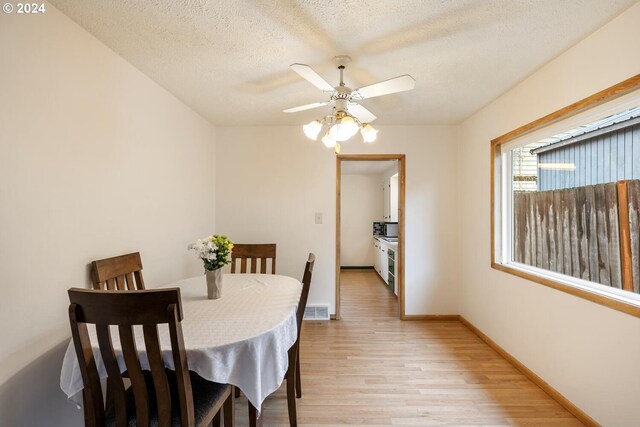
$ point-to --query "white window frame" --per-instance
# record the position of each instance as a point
(610, 101)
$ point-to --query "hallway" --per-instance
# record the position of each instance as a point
(370, 368)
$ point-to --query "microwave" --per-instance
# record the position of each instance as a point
(390, 229)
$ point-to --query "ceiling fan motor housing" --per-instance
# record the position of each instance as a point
(341, 97)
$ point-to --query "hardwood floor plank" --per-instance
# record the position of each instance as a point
(372, 369)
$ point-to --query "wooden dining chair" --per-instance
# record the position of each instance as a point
(294, 384)
(122, 272)
(253, 253)
(159, 397)
(293, 371)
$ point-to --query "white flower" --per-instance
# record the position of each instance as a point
(207, 250)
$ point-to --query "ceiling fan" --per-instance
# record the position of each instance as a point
(347, 116)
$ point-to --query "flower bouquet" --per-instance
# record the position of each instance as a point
(215, 252)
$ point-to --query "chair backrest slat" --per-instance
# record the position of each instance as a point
(158, 373)
(92, 393)
(116, 272)
(138, 277)
(254, 253)
(180, 358)
(126, 309)
(116, 384)
(138, 383)
(129, 281)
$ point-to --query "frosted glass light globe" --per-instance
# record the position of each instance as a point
(312, 129)
(369, 133)
(328, 141)
(344, 129)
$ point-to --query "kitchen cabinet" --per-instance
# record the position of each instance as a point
(393, 198)
(385, 262)
(390, 198)
(376, 256)
(386, 200)
(380, 263)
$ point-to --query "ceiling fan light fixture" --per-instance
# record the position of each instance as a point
(344, 128)
(312, 129)
(328, 141)
(348, 115)
(369, 133)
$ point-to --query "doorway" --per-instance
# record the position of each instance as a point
(400, 254)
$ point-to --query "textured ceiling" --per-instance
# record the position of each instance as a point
(228, 59)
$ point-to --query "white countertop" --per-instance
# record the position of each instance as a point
(381, 239)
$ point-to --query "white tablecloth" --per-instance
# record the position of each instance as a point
(240, 339)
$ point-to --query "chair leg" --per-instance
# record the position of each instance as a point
(298, 380)
(228, 411)
(236, 391)
(291, 396)
(254, 419)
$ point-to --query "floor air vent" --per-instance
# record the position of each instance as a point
(316, 312)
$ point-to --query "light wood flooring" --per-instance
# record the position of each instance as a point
(372, 369)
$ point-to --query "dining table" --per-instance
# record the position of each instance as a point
(241, 339)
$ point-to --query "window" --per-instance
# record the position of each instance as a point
(566, 199)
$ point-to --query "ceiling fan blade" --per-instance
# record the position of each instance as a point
(361, 113)
(305, 107)
(396, 84)
(312, 77)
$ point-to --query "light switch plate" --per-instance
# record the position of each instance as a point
(318, 217)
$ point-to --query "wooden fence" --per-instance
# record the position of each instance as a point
(589, 232)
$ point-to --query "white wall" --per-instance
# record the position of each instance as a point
(361, 205)
(588, 352)
(95, 160)
(271, 181)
